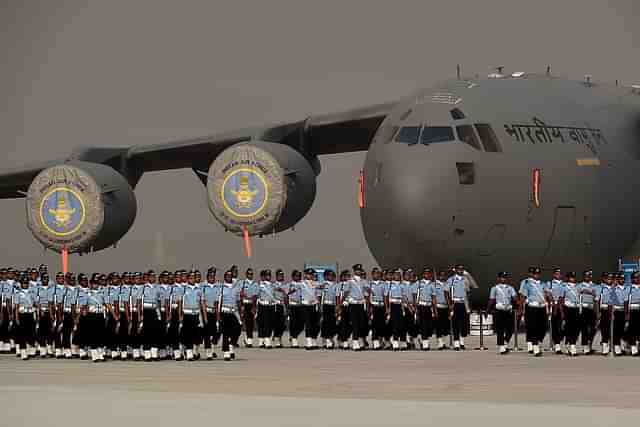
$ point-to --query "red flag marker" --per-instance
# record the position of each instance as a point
(247, 241)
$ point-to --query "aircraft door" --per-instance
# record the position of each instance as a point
(562, 236)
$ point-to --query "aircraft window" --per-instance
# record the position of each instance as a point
(408, 135)
(466, 135)
(457, 114)
(432, 134)
(466, 173)
(488, 138)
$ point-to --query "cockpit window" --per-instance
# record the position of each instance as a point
(466, 135)
(488, 138)
(433, 134)
(457, 114)
(408, 134)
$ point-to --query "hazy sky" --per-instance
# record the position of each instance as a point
(120, 73)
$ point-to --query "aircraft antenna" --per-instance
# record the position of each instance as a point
(458, 71)
(587, 79)
(549, 70)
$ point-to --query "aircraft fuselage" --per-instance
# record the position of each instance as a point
(546, 176)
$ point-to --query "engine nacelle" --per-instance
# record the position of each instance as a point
(80, 206)
(261, 186)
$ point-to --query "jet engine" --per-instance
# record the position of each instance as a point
(260, 187)
(80, 207)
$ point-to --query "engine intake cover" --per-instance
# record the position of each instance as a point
(265, 187)
(79, 206)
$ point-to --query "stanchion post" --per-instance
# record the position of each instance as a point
(515, 332)
(482, 347)
(612, 353)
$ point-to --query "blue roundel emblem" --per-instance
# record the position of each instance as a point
(62, 212)
(244, 192)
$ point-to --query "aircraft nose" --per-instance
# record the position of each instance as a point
(414, 202)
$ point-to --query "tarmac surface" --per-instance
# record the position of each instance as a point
(297, 387)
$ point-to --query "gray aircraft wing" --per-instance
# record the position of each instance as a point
(334, 133)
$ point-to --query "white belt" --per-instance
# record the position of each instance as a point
(44, 310)
(442, 306)
(503, 307)
(424, 304)
(67, 310)
(458, 299)
(264, 302)
(293, 303)
(210, 310)
(587, 305)
(227, 310)
(95, 310)
(148, 305)
(174, 305)
(618, 308)
(377, 303)
(535, 304)
(354, 302)
(604, 305)
(395, 300)
(634, 306)
(190, 311)
(570, 304)
(247, 301)
(25, 310)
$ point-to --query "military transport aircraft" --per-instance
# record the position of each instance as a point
(497, 172)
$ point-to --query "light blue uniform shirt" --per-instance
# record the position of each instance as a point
(378, 290)
(308, 292)
(396, 293)
(123, 297)
(605, 295)
(426, 290)
(329, 290)
(175, 295)
(164, 291)
(70, 297)
(571, 295)
(555, 288)
(533, 291)
(58, 294)
(211, 294)
(249, 290)
(191, 299)
(634, 297)
(6, 292)
(588, 293)
(266, 293)
(356, 289)
(295, 297)
(618, 296)
(94, 300)
(45, 296)
(151, 295)
(279, 292)
(457, 285)
(439, 289)
(112, 295)
(25, 299)
(503, 294)
(409, 290)
(230, 297)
